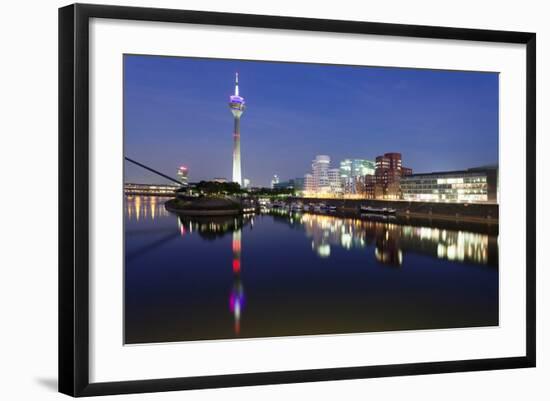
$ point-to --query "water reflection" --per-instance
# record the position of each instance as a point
(211, 228)
(327, 231)
(145, 207)
(236, 298)
(283, 279)
(388, 250)
(391, 239)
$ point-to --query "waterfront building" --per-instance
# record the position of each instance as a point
(150, 189)
(366, 186)
(335, 183)
(274, 181)
(309, 185)
(405, 171)
(352, 171)
(320, 167)
(463, 186)
(236, 105)
(388, 168)
(346, 176)
(361, 167)
(183, 175)
(345, 170)
(327, 181)
(388, 173)
(283, 184)
(299, 183)
(390, 161)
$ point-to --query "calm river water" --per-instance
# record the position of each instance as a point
(286, 274)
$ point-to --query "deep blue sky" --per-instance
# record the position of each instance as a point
(176, 112)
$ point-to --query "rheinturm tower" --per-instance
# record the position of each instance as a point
(236, 104)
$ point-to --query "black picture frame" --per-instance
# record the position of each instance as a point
(74, 201)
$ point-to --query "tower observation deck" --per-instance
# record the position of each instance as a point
(236, 105)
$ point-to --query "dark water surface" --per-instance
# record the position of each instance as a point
(285, 274)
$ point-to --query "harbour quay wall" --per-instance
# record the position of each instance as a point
(471, 212)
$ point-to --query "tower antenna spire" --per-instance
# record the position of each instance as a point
(236, 84)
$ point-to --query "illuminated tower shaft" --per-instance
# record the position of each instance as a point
(236, 104)
(237, 176)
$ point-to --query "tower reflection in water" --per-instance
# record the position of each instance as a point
(217, 227)
(389, 242)
(236, 298)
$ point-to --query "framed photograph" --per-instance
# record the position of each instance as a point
(251, 199)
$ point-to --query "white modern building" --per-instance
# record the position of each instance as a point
(309, 184)
(320, 167)
(335, 182)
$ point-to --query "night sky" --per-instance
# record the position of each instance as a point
(176, 113)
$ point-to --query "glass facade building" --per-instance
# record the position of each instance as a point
(464, 186)
(352, 171)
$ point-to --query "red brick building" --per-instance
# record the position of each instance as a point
(405, 171)
(388, 173)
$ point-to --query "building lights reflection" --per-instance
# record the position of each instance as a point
(389, 243)
(390, 240)
(387, 249)
(137, 206)
(153, 206)
(145, 207)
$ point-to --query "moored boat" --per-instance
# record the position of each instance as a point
(377, 210)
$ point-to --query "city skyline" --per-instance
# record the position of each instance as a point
(282, 134)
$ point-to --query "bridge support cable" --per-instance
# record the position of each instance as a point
(152, 170)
